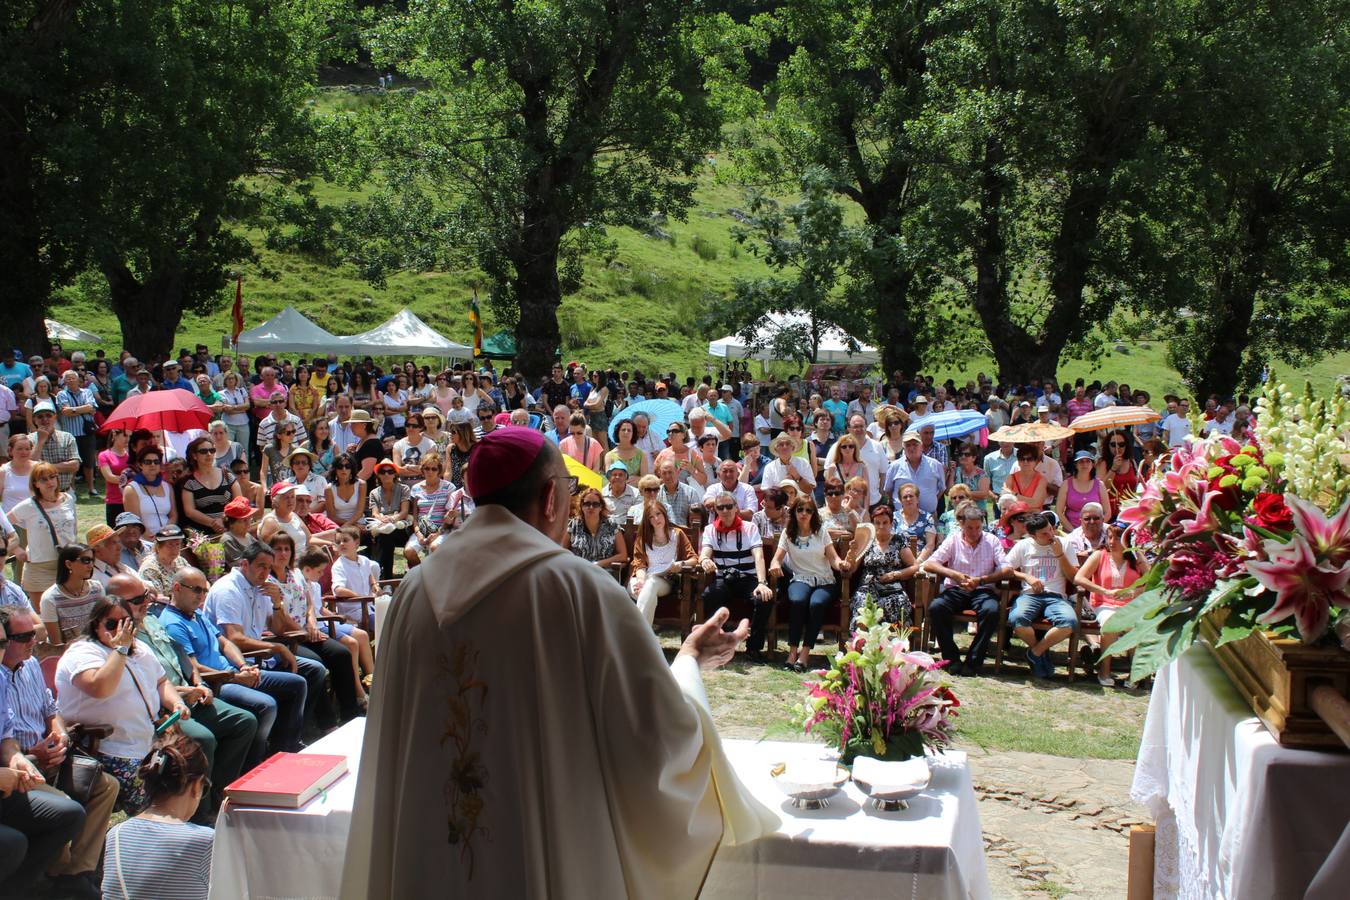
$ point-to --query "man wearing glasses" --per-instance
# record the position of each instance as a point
(274, 693)
(487, 418)
(35, 823)
(278, 417)
(972, 562)
(1090, 534)
(733, 555)
(41, 734)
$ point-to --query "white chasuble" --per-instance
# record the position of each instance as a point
(527, 739)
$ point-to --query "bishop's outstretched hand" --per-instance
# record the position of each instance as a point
(710, 645)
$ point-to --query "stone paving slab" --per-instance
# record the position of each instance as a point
(1053, 826)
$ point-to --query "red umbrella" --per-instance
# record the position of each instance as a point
(171, 410)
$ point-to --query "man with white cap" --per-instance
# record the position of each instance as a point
(619, 495)
(130, 538)
(913, 467)
(75, 407)
(577, 765)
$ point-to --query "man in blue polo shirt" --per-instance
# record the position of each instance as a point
(914, 467)
(173, 377)
(275, 697)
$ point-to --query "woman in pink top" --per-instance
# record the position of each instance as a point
(581, 447)
(1083, 488)
(1109, 576)
(112, 463)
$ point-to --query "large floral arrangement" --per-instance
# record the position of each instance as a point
(1243, 531)
(879, 698)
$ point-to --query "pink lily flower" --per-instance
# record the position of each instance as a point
(1302, 589)
(1330, 538)
(1205, 520)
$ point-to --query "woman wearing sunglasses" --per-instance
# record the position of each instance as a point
(149, 496)
(110, 677)
(1117, 470)
(810, 553)
(206, 489)
(592, 535)
(65, 606)
(276, 458)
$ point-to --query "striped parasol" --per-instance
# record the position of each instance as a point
(1114, 417)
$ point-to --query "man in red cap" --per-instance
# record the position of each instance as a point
(524, 708)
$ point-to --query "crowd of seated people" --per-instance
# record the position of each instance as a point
(200, 593)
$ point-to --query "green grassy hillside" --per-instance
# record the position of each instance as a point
(642, 309)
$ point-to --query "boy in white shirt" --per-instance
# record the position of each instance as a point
(1044, 565)
(313, 563)
(353, 575)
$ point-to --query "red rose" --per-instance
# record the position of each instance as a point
(1227, 496)
(1269, 511)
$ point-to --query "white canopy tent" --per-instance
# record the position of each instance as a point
(833, 344)
(403, 335)
(59, 331)
(287, 332)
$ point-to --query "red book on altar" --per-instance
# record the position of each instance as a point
(288, 780)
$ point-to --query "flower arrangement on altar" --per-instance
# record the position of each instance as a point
(879, 698)
(1255, 535)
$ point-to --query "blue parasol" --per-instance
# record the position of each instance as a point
(660, 412)
(949, 424)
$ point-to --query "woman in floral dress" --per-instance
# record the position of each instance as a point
(884, 562)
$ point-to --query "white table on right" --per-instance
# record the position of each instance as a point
(1238, 816)
(933, 850)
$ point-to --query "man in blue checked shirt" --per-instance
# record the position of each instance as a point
(75, 406)
(41, 735)
(35, 823)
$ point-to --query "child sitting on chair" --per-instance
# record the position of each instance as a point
(313, 563)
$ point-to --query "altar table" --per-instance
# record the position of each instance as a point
(931, 850)
(1238, 816)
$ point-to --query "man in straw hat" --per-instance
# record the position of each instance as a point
(576, 764)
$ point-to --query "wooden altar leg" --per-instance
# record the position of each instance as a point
(1140, 877)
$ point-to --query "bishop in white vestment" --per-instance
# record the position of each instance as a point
(526, 737)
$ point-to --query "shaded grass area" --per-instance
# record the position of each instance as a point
(1008, 712)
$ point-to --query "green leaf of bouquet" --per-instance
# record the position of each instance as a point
(1150, 656)
(1224, 592)
(1270, 535)
(1143, 632)
(1230, 633)
(1146, 605)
